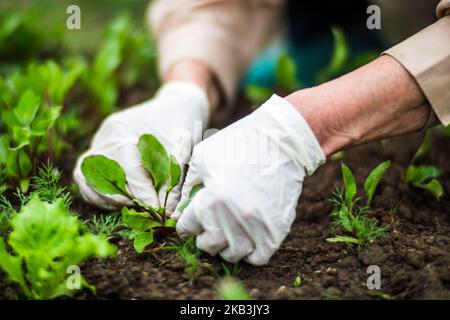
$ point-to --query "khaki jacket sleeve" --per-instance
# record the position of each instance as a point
(426, 55)
(222, 34)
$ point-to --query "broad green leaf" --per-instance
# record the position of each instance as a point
(424, 147)
(25, 163)
(434, 187)
(104, 175)
(257, 94)
(4, 149)
(349, 185)
(142, 240)
(45, 120)
(421, 174)
(343, 239)
(192, 194)
(138, 220)
(10, 119)
(338, 58)
(20, 137)
(170, 223)
(27, 108)
(374, 178)
(155, 159)
(174, 173)
(285, 73)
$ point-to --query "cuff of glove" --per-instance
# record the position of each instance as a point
(192, 92)
(298, 140)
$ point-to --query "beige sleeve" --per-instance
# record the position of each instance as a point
(223, 34)
(426, 55)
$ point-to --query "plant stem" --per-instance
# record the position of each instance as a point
(165, 206)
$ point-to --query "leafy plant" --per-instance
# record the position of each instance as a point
(125, 56)
(297, 281)
(106, 176)
(230, 269)
(424, 176)
(351, 214)
(44, 242)
(230, 288)
(30, 104)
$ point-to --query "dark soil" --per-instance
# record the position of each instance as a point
(414, 257)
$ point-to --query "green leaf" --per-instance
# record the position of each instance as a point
(374, 178)
(155, 159)
(285, 73)
(45, 120)
(27, 108)
(174, 174)
(434, 187)
(257, 94)
(104, 175)
(192, 194)
(349, 185)
(138, 220)
(142, 240)
(12, 266)
(349, 240)
(338, 58)
(421, 174)
(46, 238)
(424, 147)
(170, 223)
(21, 137)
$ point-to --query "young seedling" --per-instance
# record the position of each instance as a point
(297, 281)
(107, 177)
(189, 254)
(424, 176)
(108, 226)
(230, 288)
(351, 214)
(45, 242)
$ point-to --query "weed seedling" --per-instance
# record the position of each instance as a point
(298, 281)
(106, 176)
(107, 226)
(351, 214)
(189, 254)
(424, 176)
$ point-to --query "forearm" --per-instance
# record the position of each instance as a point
(199, 74)
(376, 101)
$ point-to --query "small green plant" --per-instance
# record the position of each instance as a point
(351, 214)
(125, 56)
(230, 288)
(106, 176)
(297, 281)
(107, 226)
(30, 104)
(189, 254)
(230, 269)
(44, 242)
(424, 176)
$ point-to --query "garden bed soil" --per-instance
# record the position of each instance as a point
(414, 257)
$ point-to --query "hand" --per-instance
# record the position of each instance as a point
(252, 173)
(173, 116)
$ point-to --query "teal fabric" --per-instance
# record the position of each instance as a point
(309, 59)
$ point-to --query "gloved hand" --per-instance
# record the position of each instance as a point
(176, 115)
(252, 173)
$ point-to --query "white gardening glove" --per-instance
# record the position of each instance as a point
(176, 115)
(252, 173)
